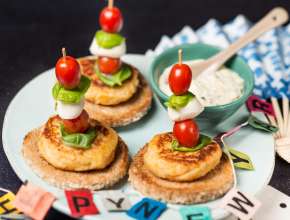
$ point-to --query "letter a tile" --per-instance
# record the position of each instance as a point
(147, 209)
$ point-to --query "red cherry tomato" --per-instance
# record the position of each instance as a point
(67, 72)
(186, 132)
(109, 65)
(111, 19)
(180, 78)
(77, 125)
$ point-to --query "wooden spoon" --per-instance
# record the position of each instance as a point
(274, 18)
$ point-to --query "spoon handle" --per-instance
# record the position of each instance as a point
(274, 18)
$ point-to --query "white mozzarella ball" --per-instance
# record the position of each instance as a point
(191, 110)
(69, 111)
(115, 52)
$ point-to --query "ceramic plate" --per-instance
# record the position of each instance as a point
(33, 104)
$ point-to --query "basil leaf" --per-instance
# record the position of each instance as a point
(55, 90)
(73, 95)
(117, 78)
(78, 140)
(179, 101)
(203, 141)
(258, 124)
(108, 40)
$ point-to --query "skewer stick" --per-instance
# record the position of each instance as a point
(285, 113)
(272, 121)
(288, 127)
(278, 116)
(63, 51)
(179, 56)
(111, 3)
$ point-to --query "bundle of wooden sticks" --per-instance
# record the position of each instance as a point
(282, 121)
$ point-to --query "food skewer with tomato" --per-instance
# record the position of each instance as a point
(75, 119)
(119, 94)
(182, 166)
(109, 46)
(70, 144)
(183, 106)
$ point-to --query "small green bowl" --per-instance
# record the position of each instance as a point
(212, 115)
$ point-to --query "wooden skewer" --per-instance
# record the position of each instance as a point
(179, 56)
(282, 137)
(63, 51)
(288, 127)
(272, 121)
(285, 113)
(278, 116)
(111, 3)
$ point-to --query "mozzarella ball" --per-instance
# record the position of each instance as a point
(68, 110)
(191, 110)
(115, 52)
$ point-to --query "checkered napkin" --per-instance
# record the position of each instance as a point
(268, 57)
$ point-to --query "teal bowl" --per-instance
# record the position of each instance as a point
(212, 115)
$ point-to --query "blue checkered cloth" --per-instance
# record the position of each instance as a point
(268, 56)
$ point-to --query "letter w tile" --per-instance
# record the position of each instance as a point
(241, 205)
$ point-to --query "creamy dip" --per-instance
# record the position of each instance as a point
(216, 88)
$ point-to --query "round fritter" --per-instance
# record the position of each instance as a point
(93, 180)
(209, 187)
(55, 152)
(99, 93)
(166, 163)
(124, 113)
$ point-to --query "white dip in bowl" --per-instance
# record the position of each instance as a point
(211, 89)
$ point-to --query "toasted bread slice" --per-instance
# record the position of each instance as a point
(134, 106)
(169, 164)
(93, 180)
(98, 156)
(209, 187)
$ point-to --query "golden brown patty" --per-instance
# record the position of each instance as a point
(209, 187)
(92, 180)
(99, 93)
(54, 151)
(123, 113)
(166, 163)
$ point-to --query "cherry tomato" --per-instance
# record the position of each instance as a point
(186, 132)
(180, 78)
(67, 72)
(111, 19)
(109, 65)
(77, 125)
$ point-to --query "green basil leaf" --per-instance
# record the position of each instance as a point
(78, 140)
(116, 79)
(73, 95)
(55, 90)
(258, 124)
(203, 141)
(241, 160)
(108, 40)
(179, 101)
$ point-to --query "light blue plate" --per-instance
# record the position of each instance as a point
(33, 104)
